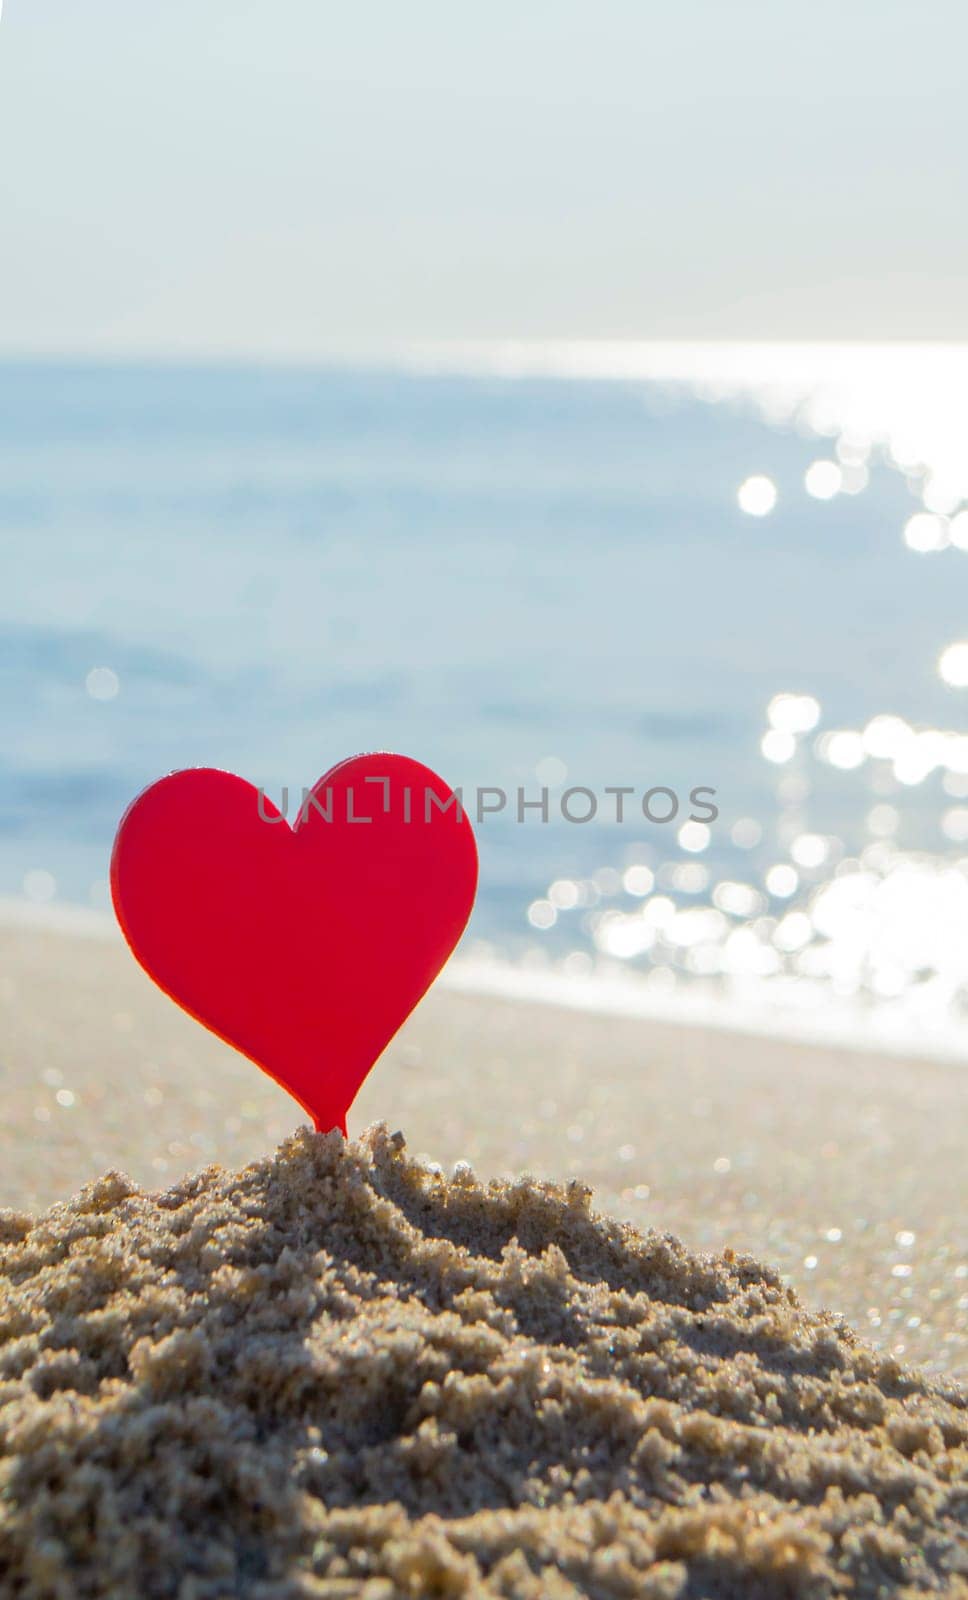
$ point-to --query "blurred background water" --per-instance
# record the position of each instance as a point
(524, 574)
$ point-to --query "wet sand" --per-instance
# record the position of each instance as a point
(845, 1171)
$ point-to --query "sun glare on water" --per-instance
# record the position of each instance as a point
(816, 920)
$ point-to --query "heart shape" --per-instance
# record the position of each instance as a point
(307, 946)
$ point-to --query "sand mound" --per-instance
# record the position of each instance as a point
(336, 1373)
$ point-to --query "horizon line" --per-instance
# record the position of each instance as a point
(735, 360)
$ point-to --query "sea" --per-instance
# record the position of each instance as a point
(551, 572)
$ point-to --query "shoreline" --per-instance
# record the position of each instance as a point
(844, 1169)
(615, 992)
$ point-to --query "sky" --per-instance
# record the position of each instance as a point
(291, 177)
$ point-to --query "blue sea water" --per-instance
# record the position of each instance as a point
(282, 567)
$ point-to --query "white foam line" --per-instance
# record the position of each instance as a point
(607, 994)
(616, 996)
(59, 917)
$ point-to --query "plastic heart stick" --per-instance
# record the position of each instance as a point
(307, 946)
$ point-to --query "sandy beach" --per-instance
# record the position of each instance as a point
(483, 496)
(337, 1373)
(241, 1358)
(843, 1171)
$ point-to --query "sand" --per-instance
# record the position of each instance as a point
(338, 1372)
(845, 1170)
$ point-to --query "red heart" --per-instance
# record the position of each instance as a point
(305, 947)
